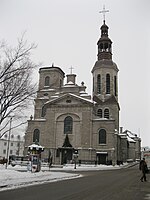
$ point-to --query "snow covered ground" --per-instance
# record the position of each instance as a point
(18, 176)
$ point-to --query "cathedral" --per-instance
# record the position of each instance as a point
(67, 121)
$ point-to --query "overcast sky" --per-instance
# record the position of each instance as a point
(66, 32)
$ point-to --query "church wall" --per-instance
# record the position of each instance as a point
(54, 129)
(109, 127)
(74, 138)
(111, 146)
(113, 112)
(32, 125)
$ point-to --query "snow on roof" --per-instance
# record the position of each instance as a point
(41, 119)
(48, 89)
(35, 146)
(82, 92)
(55, 96)
(76, 96)
(99, 119)
(84, 95)
(123, 135)
(91, 101)
(102, 152)
(130, 139)
(70, 83)
(44, 97)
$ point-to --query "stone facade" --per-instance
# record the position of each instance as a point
(68, 120)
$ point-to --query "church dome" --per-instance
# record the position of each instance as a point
(105, 64)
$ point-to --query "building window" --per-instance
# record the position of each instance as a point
(93, 84)
(11, 152)
(68, 123)
(18, 137)
(5, 135)
(47, 81)
(12, 136)
(11, 144)
(18, 144)
(99, 113)
(4, 151)
(98, 84)
(106, 113)
(115, 85)
(68, 101)
(5, 143)
(107, 84)
(61, 82)
(43, 113)
(102, 136)
(36, 135)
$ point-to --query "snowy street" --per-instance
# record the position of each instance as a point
(18, 176)
(94, 183)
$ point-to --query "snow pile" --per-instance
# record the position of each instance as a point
(12, 178)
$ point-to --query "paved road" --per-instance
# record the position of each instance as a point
(121, 184)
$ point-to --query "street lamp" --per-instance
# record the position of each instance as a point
(75, 155)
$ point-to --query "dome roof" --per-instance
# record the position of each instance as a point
(105, 64)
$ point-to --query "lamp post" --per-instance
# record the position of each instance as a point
(75, 155)
(7, 156)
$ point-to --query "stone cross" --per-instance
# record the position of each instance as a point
(71, 68)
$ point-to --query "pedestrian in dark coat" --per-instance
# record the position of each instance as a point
(143, 168)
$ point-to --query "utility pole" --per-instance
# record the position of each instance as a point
(7, 157)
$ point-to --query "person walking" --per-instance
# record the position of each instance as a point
(143, 168)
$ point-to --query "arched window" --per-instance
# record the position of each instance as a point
(47, 81)
(106, 113)
(60, 82)
(68, 123)
(93, 84)
(36, 135)
(98, 84)
(115, 85)
(43, 113)
(107, 84)
(102, 136)
(99, 113)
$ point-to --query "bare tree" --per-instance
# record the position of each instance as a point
(16, 85)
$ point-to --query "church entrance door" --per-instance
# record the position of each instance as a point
(102, 158)
(66, 155)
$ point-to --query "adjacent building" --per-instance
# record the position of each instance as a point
(13, 146)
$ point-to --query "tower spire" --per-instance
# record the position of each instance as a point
(104, 43)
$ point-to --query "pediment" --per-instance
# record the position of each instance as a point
(69, 99)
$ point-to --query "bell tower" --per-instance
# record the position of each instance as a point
(105, 77)
(104, 44)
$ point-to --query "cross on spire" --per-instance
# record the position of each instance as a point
(71, 68)
(103, 12)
